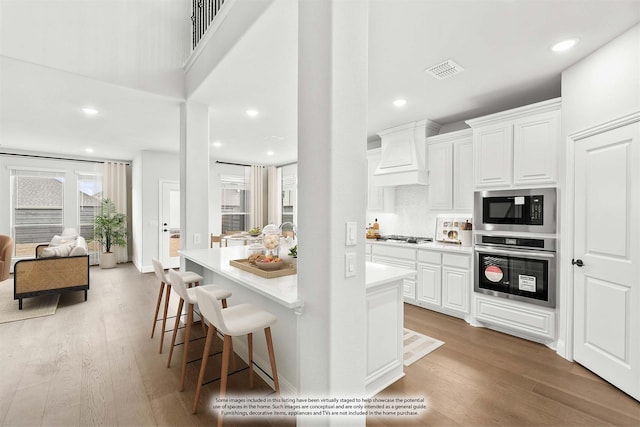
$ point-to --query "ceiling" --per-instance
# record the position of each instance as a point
(132, 73)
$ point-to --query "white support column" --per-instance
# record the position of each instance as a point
(332, 170)
(194, 185)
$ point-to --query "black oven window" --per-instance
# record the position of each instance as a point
(511, 275)
(529, 278)
(502, 210)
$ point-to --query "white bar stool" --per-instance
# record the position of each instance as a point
(189, 296)
(187, 277)
(241, 319)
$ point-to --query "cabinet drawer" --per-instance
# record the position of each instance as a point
(455, 260)
(523, 318)
(394, 251)
(429, 256)
(393, 262)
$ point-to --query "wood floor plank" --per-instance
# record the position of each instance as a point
(130, 397)
(27, 406)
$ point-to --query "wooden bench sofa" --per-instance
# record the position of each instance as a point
(40, 276)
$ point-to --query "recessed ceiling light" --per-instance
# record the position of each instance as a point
(89, 150)
(217, 144)
(252, 113)
(270, 153)
(564, 45)
(400, 102)
(90, 111)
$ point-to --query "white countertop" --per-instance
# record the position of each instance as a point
(283, 290)
(447, 247)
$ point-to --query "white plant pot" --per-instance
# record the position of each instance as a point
(107, 260)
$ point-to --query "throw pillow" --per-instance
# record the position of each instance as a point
(78, 250)
(63, 240)
(56, 251)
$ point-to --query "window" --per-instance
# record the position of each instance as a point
(89, 199)
(234, 202)
(289, 196)
(37, 213)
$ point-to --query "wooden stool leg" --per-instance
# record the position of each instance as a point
(234, 366)
(164, 319)
(185, 350)
(155, 317)
(175, 331)
(272, 359)
(250, 345)
(203, 366)
(226, 349)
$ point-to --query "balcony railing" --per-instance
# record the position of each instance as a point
(203, 13)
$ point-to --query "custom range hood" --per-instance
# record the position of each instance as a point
(403, 154)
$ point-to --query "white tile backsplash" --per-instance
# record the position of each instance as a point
(412, 216)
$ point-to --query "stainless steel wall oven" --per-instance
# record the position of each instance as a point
(522, 268)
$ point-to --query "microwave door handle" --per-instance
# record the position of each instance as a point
(536, 254)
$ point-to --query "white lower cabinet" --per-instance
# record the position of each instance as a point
(456, 287)
(516, 318)
(444, 282)
(398, 257)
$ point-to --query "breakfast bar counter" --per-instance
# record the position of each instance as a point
(282, 290)
(279, 295)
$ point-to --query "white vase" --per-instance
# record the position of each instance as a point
(107, 260)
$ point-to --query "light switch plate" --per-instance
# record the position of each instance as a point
(196, 239)
(351, 236)
(349, 264)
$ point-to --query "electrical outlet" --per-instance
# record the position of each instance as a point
(351, 237)
(349, 264)
(196, 239)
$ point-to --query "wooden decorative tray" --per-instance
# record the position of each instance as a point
(244, 264)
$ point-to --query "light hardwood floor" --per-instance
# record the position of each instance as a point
(93, 363)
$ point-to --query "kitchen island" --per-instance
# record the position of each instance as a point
(279, 296)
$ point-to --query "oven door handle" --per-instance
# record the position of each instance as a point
(531, 254)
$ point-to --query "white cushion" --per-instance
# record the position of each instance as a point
(78, 250)
(63, 240)
(56, 251)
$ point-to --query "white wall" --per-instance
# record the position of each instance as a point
(604, 85)
(148, 168)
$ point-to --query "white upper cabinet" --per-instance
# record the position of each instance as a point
(494, 145)
(463, 174)
(440, 175)
(450, 158)
(517, 147)
(535, 146)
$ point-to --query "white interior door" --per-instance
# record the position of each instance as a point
(607, 243)
(169, 236)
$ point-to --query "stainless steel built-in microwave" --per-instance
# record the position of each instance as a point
(521, 210)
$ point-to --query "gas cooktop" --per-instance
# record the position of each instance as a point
(404, 239)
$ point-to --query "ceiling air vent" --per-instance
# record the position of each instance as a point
(445, 69)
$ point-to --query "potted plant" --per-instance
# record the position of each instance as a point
(110, 229)
(293, 253)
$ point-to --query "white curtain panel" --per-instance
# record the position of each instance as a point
(115, 188)
(257, 196)
(274, 198)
